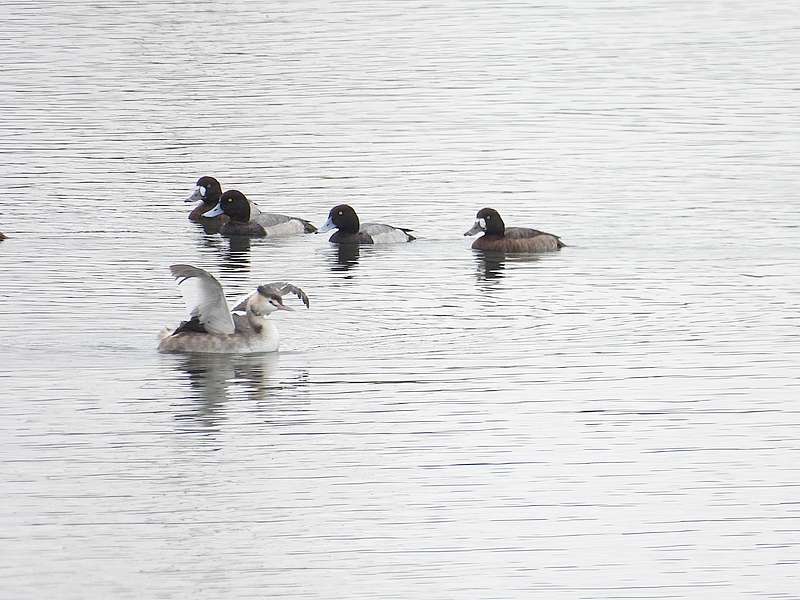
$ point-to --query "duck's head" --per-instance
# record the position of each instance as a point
(343, 218)
(207, 190)
(234, 204)
(489, 221)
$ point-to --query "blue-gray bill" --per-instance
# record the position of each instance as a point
(214, 212)
(196, 196)
(327, 226)
(478, 227)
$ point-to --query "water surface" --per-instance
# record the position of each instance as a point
(618, 420)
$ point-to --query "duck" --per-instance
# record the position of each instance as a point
(351, 231)
(206, 193)
(2, 237)
(212, 327)
(245, 218)
(499, 238)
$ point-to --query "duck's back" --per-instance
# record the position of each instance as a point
(277, 224)
(263, 224)
(373, 233)
(385, 234)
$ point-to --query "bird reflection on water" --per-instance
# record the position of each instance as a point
(216, 381)
(493, 266)
(344, 257)
(237, 255)
(234, 251)
(490, 265)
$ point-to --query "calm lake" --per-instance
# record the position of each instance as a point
(620, 419)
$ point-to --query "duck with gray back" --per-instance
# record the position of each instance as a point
(206, 193)
(245, 218)
(499, 238)
(352, 231)
(212, 327)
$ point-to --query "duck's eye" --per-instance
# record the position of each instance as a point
(340, 213)
(202, 191)
(488, 217)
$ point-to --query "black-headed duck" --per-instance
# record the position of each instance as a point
(499, 238)
(206, 193)
(352, 231)
(210, 326)
(245, 218)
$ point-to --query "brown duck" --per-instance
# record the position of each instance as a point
(499, 238)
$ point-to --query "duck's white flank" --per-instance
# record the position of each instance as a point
(384, 234)
(290, 227)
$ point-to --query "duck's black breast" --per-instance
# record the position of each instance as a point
(351, 238)
(250, 228)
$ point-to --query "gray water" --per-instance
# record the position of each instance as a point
(617, 420)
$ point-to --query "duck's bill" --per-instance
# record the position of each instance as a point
(195, 197)
(475, 229)
(327, 226)
(214, 212)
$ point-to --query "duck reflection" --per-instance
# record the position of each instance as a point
(234, 252)
(490, 265)
(345, 256)
(237, 255)
(214, 379)
(209, 241)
